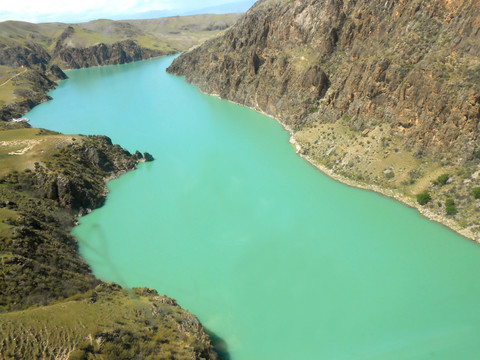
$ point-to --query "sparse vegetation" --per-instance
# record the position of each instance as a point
(389, 174)
(105, 323)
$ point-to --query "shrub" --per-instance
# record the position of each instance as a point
(442, 179)
(390, 175)
(476, 193)
(450, 207)
(423, 198)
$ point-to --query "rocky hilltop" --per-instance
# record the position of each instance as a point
(383, 95)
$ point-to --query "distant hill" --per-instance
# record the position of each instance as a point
(235, 7)
(32, 56)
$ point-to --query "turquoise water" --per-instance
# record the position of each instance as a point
(274, 257)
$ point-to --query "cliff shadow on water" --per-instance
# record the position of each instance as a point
(220, 345)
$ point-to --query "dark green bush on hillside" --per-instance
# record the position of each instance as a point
(442, 179)
(450, 207)
(476, 193)
(423, 198)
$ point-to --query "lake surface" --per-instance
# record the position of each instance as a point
(274, 257)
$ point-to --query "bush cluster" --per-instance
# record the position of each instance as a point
(423, 198)
(450, 207)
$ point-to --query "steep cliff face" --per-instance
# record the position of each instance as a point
(384, 93)
(411, 64)
(101, 54)
(121, 52)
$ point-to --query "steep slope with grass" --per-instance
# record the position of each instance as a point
(32, 55)
(105, 323)
(383, 95)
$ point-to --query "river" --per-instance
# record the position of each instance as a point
(274, 257)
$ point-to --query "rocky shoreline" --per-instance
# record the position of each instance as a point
(401, 123)
(41, 266)
(391, 193)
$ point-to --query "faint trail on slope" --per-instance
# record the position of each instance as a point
(13, 77)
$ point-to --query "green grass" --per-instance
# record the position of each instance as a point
(21, 148)
(5, 229)
(101, 322)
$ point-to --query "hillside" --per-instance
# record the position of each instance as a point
(105, 323)
(381, 95)
(32, 56)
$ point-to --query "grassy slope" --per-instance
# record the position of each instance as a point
(21, 148)
(104, 323)
(184, 31)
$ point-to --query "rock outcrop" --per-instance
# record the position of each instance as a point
(44, 276)
(366, 87)
(121, 52)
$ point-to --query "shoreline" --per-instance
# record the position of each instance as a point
(390, 193)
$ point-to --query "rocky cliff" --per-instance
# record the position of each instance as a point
(383, 94)
(120, 52)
